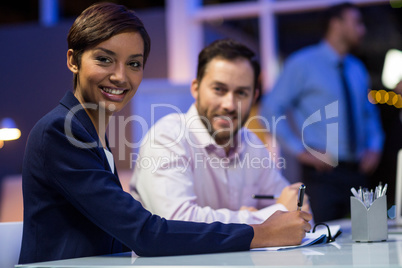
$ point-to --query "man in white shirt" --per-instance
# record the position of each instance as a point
(205, 166)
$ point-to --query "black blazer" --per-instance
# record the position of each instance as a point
(74, 206)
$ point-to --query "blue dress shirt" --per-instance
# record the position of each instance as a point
(74, 205)
(307, 106)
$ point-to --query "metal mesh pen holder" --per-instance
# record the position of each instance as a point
(369, 224)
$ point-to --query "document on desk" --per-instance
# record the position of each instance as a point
(320, 236)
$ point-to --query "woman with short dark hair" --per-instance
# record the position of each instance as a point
(74, 205)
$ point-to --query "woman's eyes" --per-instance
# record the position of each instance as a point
(135, 64)
(132, 64)
(103, 59)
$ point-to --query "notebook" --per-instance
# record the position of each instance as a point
(320, 236)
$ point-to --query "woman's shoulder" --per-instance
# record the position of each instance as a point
(59, 125)
(52, 120)
(68, 111)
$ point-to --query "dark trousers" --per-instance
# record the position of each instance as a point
(329, 191)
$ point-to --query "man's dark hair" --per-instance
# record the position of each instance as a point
(230, 50)
(335, 11)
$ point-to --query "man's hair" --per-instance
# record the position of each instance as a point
(98, 23)
(227, 49)
(335, 11)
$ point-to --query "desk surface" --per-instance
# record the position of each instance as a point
(342, 253)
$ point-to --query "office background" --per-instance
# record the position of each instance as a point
(33, 54)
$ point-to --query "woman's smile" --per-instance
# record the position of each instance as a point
(114, 94)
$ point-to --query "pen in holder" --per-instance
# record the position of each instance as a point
(369, 224)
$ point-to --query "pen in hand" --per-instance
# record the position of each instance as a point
(300, 200)
(258, 196)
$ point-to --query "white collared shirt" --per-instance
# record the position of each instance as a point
(110, 159)
(182, 174)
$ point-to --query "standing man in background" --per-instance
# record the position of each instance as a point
(335, 132)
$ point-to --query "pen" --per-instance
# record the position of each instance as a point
(384, 190)
(300, 200)
(259, 196)
(380, 189)
(354, 192)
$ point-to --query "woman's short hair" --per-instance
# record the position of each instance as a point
(98, 23)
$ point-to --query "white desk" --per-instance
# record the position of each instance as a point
(342, 253)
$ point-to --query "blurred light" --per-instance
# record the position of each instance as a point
(392, 71)
(371, 96)
(8, 130)
(49, 12)
(382, 97)
(1, 144)
(398, 103)
(392, 99)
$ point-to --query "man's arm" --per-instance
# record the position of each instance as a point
(276, 103)
(374, 138)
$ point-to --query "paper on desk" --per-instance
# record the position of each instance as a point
(318, 237)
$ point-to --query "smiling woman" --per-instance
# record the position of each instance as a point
(109, 74)
(74, 204)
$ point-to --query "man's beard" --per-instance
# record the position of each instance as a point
(225, 136)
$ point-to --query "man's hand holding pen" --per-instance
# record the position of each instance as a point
(300, 197)
(290, 197)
